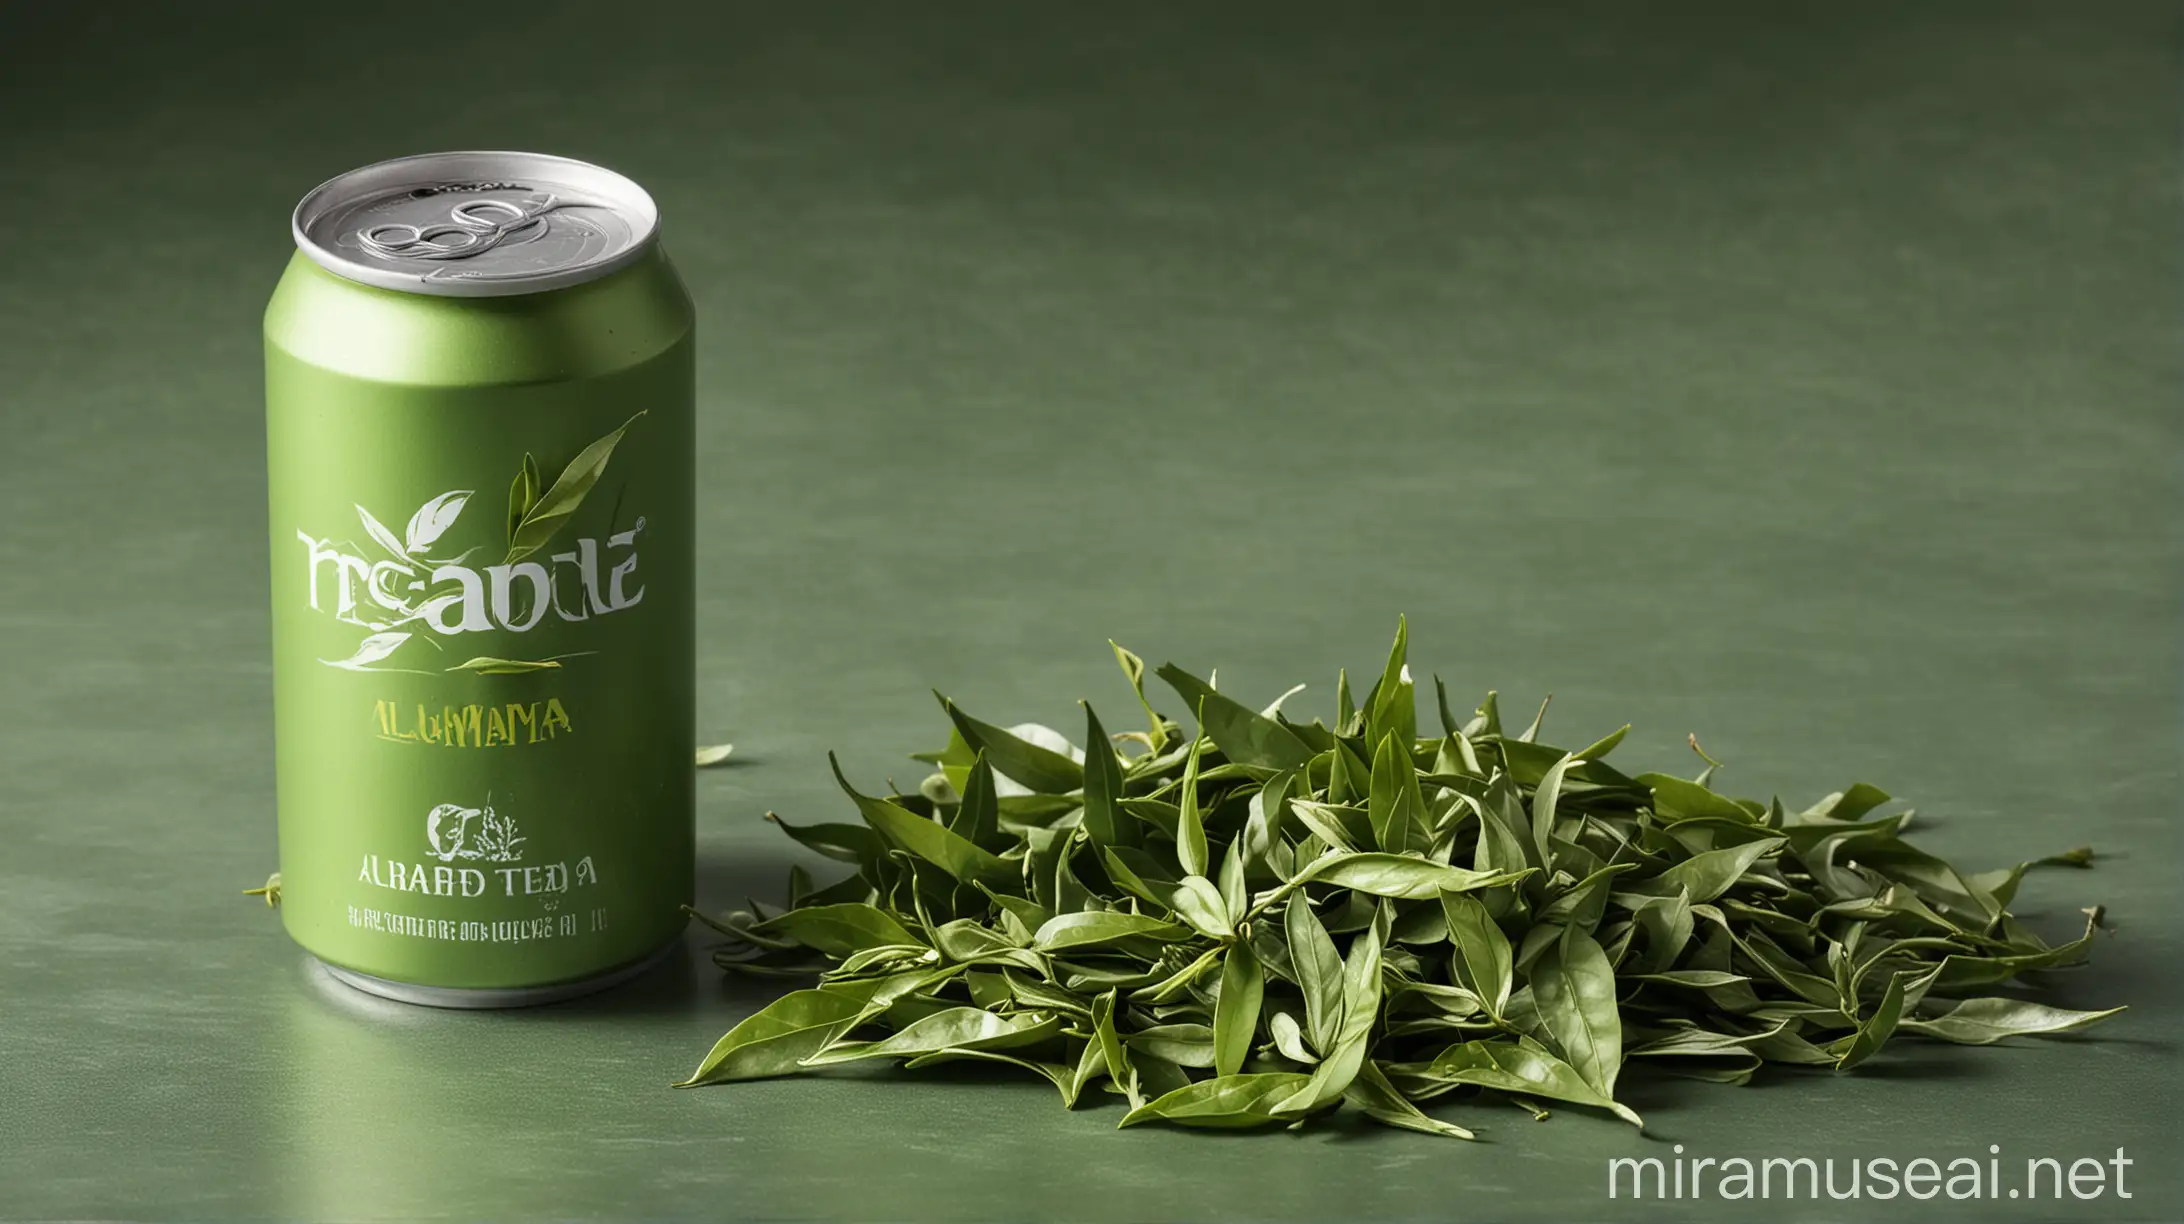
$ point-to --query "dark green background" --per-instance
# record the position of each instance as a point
(1804, 377)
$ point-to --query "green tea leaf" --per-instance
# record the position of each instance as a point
(1691, 1041)
(1875, 1030)
(1487, 722)
(1103, 819)
(555, 506)
(1667, 924)
(713, 754)
(1966, 971)
(1377, 1099)
(1224, 1102)
(1042, 769)
(1119, 1067)
(1185, 1045)
(927, 839)
(1503, 843)
(1168, 989)
(1235, 894)
(1288, 1037)
(845, 843)
(1190, 837)
(1676, 799)
(1343, 828)
(1063, 1078)
(1531, 733)
(1348, 778)
(1986, 1021)
(1198, 902)
(1094, 929)
(1241, 734)
(778, 1039)
(1698, 979)
(978, 812)
(1482, 964)
(1133, 668)
(1599, 749)
(1397, 811)
(1392, 707)
(956, 1028)
(1398, 876)
(1709, 875)
(1574, 988)
(1319, 972)
(838, 930)
(1361, 973)
(1544, 800)
(1584, 903)
(1523, 1066)
(1129, 868)
(1236, 1013)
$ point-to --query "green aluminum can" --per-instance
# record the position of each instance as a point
(479, 445)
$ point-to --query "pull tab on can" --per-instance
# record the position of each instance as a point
(481, 225)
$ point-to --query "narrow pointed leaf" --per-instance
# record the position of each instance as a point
(1399, 876)
(1875, 1030)
(1042, 769)
(1574, 987)
(1986, 1021)
(1224, 1102)
(1085, 930)
(1236, 1014)
(1103, 818)
(1190, 836)
(1319, 972)
(838, 930)
(1239, 732)
(1377, 1099)
(1483, 963)
(1523, 1066)
(927, 839)
(778, 1039)
(1398, 812)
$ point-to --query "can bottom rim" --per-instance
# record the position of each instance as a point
(480, 998)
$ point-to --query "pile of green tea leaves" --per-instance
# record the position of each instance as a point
(1265, 920)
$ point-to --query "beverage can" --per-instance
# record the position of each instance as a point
(479, 443)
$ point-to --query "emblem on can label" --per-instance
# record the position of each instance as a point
(457, 832)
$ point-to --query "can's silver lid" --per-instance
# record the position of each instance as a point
(476, 224)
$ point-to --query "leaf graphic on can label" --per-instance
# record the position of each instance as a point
(487, 665)
(522, 494)
(379, 533)
(555, 506)
(371, 650)
(435, 517)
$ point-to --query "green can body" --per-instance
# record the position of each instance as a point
(482, 627)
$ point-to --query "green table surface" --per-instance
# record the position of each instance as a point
(1804, 377)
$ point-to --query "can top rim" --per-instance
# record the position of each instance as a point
(601, 221)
